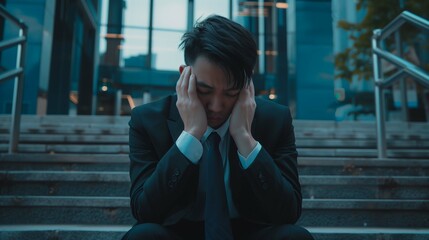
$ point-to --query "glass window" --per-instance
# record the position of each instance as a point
(104, 11)
(102, 41)
(103, 28)
(134, 47)
(166, 53)
(136, 13)
(205, 8)
(170, 14)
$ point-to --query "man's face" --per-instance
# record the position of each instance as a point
(213, 91)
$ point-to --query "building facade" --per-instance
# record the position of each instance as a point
(106, 56)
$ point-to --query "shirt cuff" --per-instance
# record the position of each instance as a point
(190, 146)
(246, 162)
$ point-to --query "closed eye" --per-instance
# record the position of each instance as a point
(203, 91)
(233, 93)
(203, 88)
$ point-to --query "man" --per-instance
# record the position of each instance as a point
(174, 191)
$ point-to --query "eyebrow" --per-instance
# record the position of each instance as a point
(204, 85)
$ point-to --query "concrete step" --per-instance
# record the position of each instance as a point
(64, 183)
(365, 213)
(298, 123)
(63, 232)
(73, 128)
(306, 142)
(65, 210)
(363, 166)
(360, 143)
(364, 187)
(362, 153)
(305, 133)
(64, 162)
(307, 165)
(120, 120)
(111, 232)
(58, 122)
(367, 233)
(64, 119)
(69, 138)
(359, 134)
(78, 183)
(75, 148)
(115, 210)
(304, 152)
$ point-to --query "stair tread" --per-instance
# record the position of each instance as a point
(308, 152)
(123, 158)
(123, 176)
(120, 228)
(64, 227)
(121, 202)
(370, 230)
(52, 140)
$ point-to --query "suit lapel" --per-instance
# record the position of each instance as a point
(175, 123)
(234, 164)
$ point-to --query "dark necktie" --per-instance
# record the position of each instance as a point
(217, 223)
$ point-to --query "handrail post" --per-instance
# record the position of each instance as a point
(403, 81)
(17, 95)
(379, 99)
(118, 102)
(404, 66)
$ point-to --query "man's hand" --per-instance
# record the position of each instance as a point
(241, 120)
(189, 105)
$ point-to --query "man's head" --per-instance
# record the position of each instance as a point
(222, 54)
(225, 43)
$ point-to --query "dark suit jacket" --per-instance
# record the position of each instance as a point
(164, 181)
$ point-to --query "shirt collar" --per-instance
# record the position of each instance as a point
(222, 130)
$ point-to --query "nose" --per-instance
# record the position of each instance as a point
(216, 105)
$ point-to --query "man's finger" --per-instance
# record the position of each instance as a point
(245, 92)
(252, 89)
(181, 68)
(181, 86)
(192, 89)
(179, 82)
(185, 81)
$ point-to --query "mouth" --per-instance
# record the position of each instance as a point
(214, 121)
(215, 118)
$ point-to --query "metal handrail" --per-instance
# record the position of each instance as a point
(16, 74)
(405, 68)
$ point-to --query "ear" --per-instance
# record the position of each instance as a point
(181, 68)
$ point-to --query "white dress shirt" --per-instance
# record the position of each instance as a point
(192, 148)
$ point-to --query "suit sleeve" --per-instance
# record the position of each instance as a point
(269, 189)
(158, 183)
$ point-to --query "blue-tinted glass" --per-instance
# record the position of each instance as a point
(136, 13)
(134, 45)
(169, 14)
(166, 54)
(204, 8)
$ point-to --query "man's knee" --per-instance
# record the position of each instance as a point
(284, 232)
(294, 232)
(148, 231)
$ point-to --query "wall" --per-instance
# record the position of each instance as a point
(33, 14)
(314, 60)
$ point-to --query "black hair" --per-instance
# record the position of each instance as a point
(223, 42)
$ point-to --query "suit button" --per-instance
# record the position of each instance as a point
(170, 184)
(264, 186)
(262, 181)
(261, 177)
